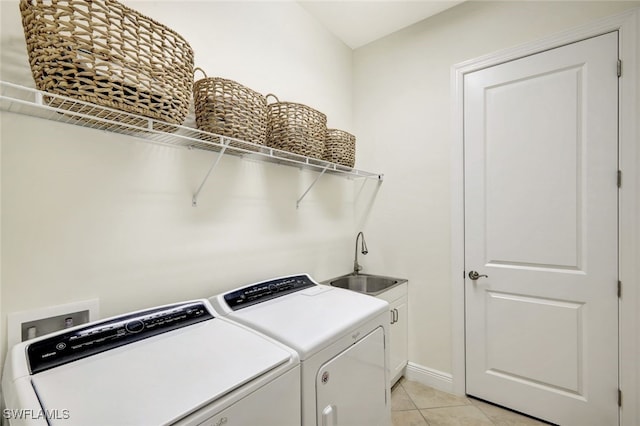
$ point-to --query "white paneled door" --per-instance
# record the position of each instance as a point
(541, 236)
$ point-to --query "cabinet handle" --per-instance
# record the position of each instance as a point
(394, 316)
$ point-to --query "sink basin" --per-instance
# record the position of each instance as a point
(365, 283)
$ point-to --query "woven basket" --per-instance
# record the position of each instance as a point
(227, 108)
(340, 147)
(103, 52)
(296, 128)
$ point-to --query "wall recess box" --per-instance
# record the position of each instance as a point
(26, 325)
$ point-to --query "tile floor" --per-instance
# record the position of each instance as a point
(414, 404)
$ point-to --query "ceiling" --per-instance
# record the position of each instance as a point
(358, 22)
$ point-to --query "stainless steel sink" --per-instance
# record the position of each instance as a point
(365, 283)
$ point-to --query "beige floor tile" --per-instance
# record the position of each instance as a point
(400, 400)
(426, 397)
(465, 415)
(407, 418)
(504, 417)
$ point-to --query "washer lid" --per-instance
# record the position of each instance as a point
(158, 380)
(311, 319)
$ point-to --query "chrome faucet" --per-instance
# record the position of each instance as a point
(357, 267)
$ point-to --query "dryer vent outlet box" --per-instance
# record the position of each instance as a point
(29, 324)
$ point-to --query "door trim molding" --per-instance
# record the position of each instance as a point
(628, 25)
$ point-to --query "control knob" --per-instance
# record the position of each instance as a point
(134, 326)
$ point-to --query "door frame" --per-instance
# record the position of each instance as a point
(628, 25)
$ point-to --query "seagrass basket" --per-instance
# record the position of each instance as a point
(228, 108)
(296, 128)
(103, 52)
(340, 147)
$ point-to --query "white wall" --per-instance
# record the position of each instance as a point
(403, 104)
(89, 214)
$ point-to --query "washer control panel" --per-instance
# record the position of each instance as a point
(266, 290)
(109, 334)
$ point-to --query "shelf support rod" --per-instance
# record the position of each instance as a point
(311, 186)
(194, 200)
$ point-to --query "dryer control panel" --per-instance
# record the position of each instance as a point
(267, 290)
(109, 334)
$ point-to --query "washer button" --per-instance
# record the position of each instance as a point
(134, 326)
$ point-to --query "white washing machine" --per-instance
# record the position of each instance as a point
(172, 365)
(340, 336)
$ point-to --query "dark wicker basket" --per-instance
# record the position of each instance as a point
(296, 128)
(340, 147)
(227, 108)
(103, 52)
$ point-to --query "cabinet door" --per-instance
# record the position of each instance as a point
(398, 330)
(399, 352)
(351, 387)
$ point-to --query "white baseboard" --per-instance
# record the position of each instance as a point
(429, 377)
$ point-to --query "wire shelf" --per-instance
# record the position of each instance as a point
(35, 103)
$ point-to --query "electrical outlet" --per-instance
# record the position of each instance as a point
(26, 325)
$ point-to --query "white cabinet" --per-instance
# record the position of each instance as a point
(398, 329)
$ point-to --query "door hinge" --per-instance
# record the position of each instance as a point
(619, 288)
(619, 398)
(619, 67)
(619, 178)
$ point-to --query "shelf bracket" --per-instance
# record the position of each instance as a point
(311, 186)
(194, 200)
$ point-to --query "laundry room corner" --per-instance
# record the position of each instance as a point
(162, 223)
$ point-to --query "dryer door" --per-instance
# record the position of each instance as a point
(351, 387)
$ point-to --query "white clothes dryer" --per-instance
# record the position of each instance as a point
(172, 365)
(341, 338)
